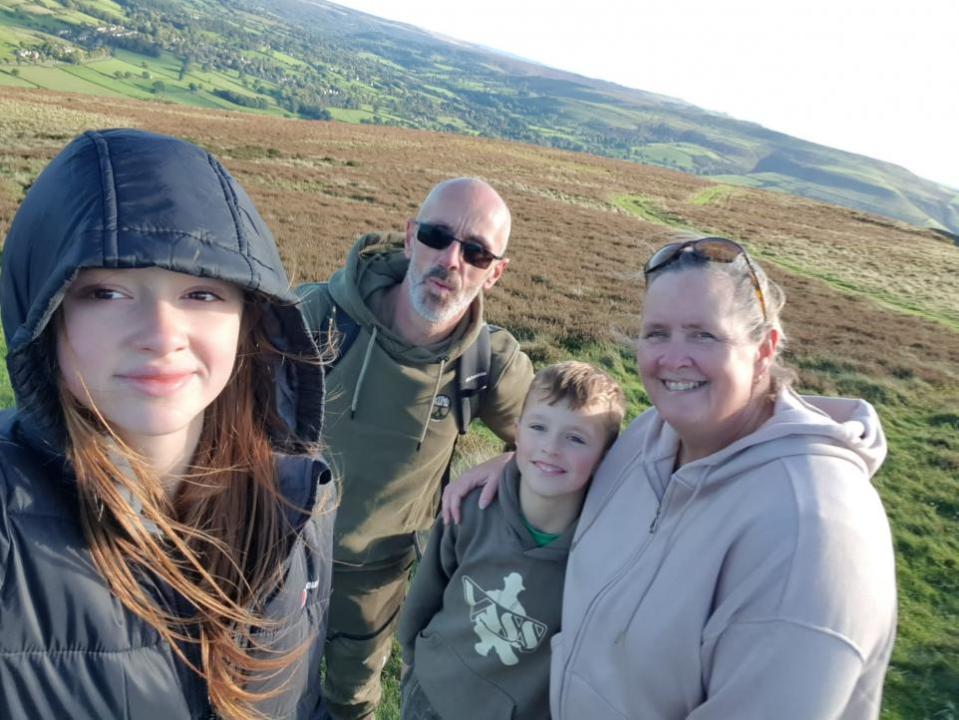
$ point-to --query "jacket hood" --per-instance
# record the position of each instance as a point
(377, 262)
(132, 199)
(808, 425)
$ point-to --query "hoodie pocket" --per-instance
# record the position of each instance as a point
(580, 700)
(452, 687)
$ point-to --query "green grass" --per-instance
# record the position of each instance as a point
(6, 391)
(919, 485)
(714, 195)
(681, 156)
(551, 132)
(453, 122)
(437, 91)
(351, 116)
(13, 81)
(650, 211)
(287, 59)
(60, 78)
(946, 314)
(381, 60)
(110, 85)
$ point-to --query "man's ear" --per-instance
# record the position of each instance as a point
(496, 274)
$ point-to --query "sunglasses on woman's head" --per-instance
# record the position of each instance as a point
(440, 237)
(711, 249)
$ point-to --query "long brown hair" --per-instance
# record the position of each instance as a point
(220, 542)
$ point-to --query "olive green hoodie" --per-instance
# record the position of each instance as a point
(390, 421)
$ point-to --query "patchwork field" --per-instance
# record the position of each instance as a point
(873, 305)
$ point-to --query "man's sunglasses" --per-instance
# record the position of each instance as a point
(710, 249)
(439, 237)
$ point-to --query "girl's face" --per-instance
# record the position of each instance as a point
(150, 349)
(701, 370)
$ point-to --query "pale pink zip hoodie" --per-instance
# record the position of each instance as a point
(757, 582)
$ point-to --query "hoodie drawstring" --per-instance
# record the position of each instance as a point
(429, 408)
(359, 385)
(366, 363)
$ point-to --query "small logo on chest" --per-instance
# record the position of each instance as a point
(441, 407)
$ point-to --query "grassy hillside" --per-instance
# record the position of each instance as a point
(873, 305)
(320, 61)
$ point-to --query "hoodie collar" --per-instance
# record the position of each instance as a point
(799, 425)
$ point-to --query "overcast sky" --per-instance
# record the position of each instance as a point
(877, 77)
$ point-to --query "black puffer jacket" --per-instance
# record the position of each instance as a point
(68, 648)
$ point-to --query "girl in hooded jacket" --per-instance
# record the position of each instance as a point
(165, 518)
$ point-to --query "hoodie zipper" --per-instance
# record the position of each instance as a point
(655, 522)
(624, 569)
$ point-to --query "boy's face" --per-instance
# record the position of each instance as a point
(558, 448)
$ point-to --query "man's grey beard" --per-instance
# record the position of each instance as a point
(436, 313)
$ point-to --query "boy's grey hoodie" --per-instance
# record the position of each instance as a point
(484, 604)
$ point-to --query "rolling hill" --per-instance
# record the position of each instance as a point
(873, 307)
(314, 59)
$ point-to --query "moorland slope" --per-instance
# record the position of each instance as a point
(873, 305)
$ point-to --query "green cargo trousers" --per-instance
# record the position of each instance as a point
(364, 612)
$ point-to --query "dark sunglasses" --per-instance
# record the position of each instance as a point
(439, 237)
(711, 249)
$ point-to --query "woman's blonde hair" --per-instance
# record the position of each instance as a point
(219, 543)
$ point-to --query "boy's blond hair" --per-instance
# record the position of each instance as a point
(580, 385)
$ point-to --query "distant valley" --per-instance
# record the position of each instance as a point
(316, 60)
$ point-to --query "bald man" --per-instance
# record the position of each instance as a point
(413, 307)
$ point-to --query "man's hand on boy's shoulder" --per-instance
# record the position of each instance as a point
(486, 475)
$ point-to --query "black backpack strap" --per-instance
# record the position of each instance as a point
(472, 377)
(472, 380)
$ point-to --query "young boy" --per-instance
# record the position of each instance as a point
(487, 595)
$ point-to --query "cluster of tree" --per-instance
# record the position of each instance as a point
(139, 44)
(242, 100)
(90, 10)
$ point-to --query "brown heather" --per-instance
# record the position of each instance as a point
(575, 254)
(872, 311)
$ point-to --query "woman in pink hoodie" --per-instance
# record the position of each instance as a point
(732, 559)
